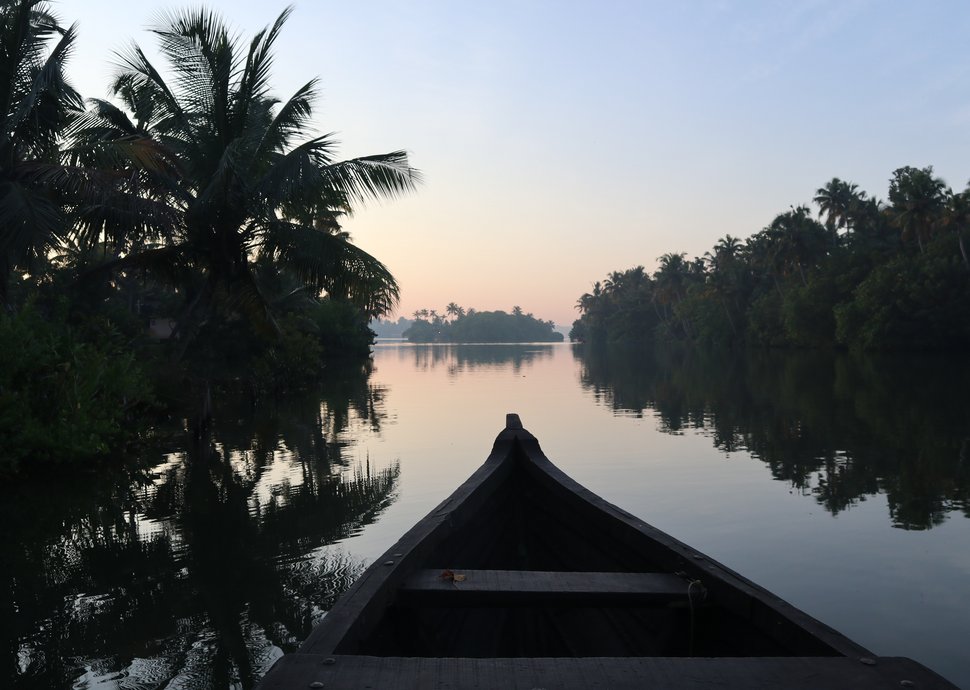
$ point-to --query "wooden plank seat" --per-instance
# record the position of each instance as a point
(510, 587)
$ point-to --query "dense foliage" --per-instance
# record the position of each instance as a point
(459, 326)
(64, 396)
(194, 206)
(862, 274)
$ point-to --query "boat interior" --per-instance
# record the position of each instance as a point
(527, 566)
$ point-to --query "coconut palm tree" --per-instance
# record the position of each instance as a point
(726, 251)
(957, 220)
(839, 202)
(918, 200)
(798, 241)
(454, 310)
(37, 104)
(242, 176)
(671, 278)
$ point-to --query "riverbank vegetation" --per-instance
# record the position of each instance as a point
(459, 326)
(842, 427)
(182, 235)
(861, 273)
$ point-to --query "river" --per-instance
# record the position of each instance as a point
(840, 483)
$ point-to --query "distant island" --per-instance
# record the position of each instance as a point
(457, 325)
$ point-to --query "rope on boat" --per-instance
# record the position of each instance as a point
(690, 605)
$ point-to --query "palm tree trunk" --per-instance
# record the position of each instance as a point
(685, 325)
(4, 295)
(186, 326)
(727, 312)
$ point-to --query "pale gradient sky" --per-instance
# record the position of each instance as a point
(563, 140)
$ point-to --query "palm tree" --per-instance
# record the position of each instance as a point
(957, 219)
(798, 241)
(726, 275)
(839, 202)
(918, 200)
(726, 251)
(454, 310)
(243, 179)
(37, 104)
(672, 279)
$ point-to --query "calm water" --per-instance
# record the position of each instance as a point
(840, 484)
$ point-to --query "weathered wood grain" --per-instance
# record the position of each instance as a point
(510, 587)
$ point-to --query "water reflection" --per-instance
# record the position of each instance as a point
(200, 569)
(835, 426)
(462, 358)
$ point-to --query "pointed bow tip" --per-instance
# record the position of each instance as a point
(512, 421)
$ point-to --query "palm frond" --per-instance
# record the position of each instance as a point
(135, 71)
(245, 298)
(171, 264)
(380, 176)
(259, 60)
(202, 53)
(124, 218)
(330, 263)
(46, 102)
(125, 154)
(225, 181)
(105, 119)
(30, 220)
(292, 118)
(297, 177)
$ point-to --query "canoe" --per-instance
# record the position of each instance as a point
(522, 578)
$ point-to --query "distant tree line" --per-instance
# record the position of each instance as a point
(387, 328)
(862, 273)
(457, 325)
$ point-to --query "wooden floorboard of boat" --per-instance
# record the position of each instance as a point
(794, 673)
(497, 587)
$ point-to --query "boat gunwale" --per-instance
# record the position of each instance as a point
(378, 584)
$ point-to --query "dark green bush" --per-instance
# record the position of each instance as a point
(909, 303)
(63, 399)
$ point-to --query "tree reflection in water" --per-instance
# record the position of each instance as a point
(201, 569)
(467, 357)
(836, 426)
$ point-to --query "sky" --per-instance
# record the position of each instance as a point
(560, 140)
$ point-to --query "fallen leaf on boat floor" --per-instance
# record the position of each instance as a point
(451, 576)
